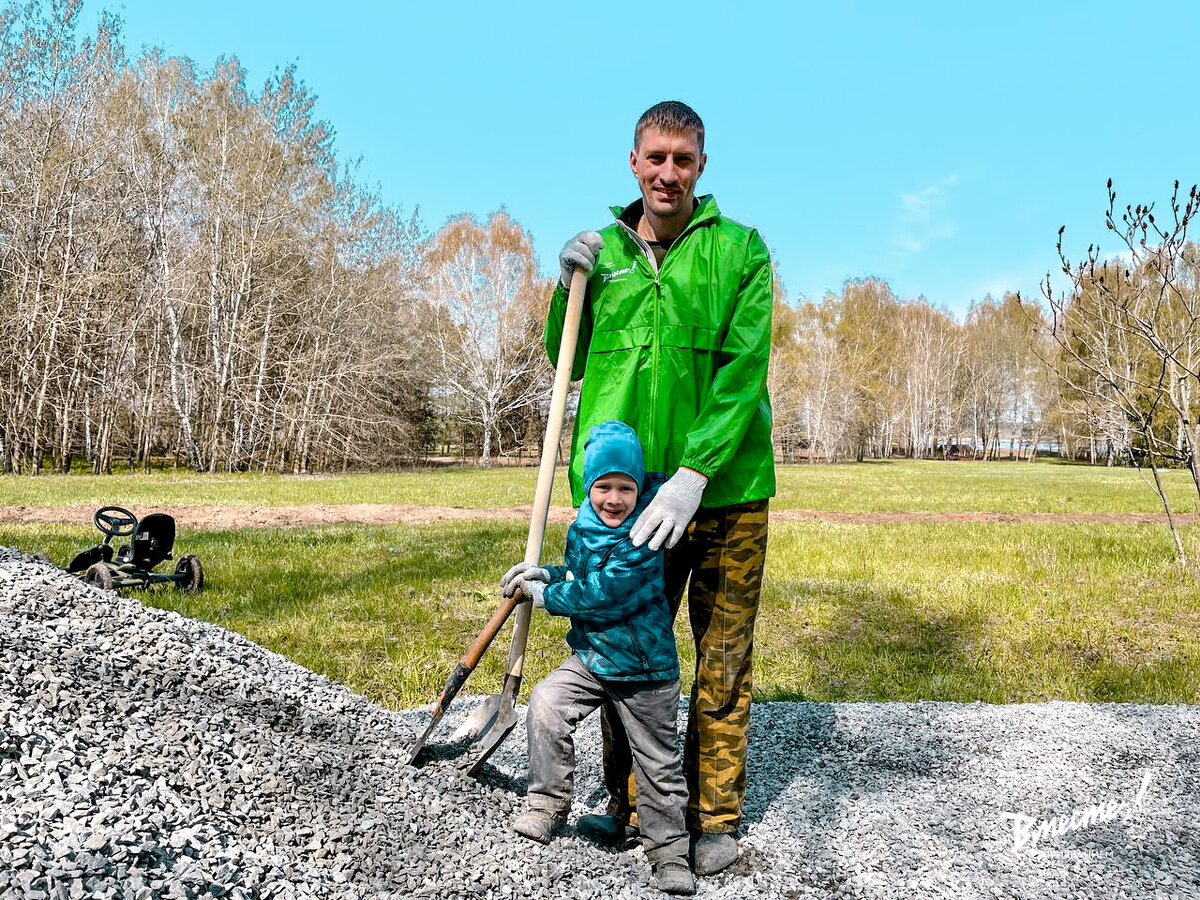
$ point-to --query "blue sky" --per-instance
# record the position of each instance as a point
(937, 145)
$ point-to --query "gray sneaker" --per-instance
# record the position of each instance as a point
(606, 829)
(540, 825)
(674, 878)
(713, 852)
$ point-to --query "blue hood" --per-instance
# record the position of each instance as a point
(612, 447)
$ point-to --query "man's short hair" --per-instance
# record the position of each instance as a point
(670, 116)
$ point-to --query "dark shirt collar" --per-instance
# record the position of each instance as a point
(632, 215)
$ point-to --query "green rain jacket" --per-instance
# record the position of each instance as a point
(679, 353)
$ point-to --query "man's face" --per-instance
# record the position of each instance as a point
(613, 498)
(667, 166)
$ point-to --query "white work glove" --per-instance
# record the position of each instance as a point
(669, 513)
(522, 571)
(581, 251)
(532, 590)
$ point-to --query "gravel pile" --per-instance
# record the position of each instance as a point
(145, 755)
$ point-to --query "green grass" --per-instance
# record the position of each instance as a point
(999, 613)
(1002, 487)
(471, 488)
(993, 612)
(919, 485)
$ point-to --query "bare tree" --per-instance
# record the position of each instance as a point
(803, 381)
(1129, 333)
(929, 364)
(487, 299)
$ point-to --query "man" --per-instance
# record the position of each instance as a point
(674, 341)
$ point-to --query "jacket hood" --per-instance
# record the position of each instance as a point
(613, 447)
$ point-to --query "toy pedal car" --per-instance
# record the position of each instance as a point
(133, 564)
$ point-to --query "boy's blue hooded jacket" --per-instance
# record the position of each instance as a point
(620, 621)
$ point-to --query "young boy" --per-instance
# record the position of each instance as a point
(624, 652)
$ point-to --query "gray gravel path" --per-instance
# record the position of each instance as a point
(145, 755)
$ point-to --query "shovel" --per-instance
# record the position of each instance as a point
(497, 715)
(465, 667)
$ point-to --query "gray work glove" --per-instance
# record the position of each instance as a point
(531, 590)
(581, 251)
(522, 571)
(669, 513)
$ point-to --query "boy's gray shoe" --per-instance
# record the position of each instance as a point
(674, 877)
(606, 829)
(713, 852)
(540, 825)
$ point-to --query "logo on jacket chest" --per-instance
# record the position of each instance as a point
(617, 274)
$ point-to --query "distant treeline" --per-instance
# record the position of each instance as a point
(185, 268)
(1109, 373)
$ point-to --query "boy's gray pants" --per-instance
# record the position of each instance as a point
(647, 709)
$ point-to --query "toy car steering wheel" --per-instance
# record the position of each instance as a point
(115, 521)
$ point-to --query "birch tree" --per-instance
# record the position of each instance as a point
(868, 340)
(185, 267)
(929, 366)
(487, 304)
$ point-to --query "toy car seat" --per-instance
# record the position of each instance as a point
(153, 541)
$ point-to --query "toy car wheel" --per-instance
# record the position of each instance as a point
(100, 576)
(192, 574)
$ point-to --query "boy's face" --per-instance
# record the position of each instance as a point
(613, 498)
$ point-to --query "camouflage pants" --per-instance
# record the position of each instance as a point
(723, 554)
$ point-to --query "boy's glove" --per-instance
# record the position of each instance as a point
(581, 251)
(522, 571)
(532, 590)
(669, 513)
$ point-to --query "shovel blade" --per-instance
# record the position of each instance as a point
(481, 720)
(500, 730)
(501, 720)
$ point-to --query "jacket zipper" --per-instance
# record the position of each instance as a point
(637, 645)
(652, 450)
(645, 248)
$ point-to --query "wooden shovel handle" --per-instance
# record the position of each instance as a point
(475, 652)
(545, 482)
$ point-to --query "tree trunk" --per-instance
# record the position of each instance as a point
(1180, 555)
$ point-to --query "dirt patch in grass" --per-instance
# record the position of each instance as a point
(220, 517)
(900, 517)
(223, 517)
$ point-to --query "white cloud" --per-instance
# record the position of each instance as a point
(923, 216)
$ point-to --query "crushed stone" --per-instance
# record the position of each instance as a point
(145, 755)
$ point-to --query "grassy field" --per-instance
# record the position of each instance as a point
(1003, 487)
(471, 488)
(918, 485)
(999, 612)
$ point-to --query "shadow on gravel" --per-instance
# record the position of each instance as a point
(496, 778)
(446, 752)
(785, 743)
(810, 761)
